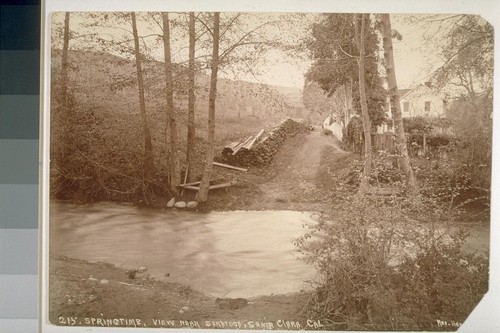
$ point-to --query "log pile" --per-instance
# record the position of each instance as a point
(258, 150)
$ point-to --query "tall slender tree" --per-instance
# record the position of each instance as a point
(403, 156)
(190, 151)
(205, 183)
(175, 173)
(65, 64)
(148, 163)
(360, 34)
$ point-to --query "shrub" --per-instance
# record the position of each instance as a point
(378, 269)
(416, 125)
(452, 183)
(384, 171)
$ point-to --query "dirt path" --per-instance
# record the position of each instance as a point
(298, 165)
(297, 179)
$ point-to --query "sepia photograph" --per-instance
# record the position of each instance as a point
(268, 170)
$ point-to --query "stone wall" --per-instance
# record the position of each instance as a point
(262, 153)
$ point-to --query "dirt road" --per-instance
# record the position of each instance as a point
(299, 177)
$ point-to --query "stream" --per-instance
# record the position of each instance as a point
(224, 254)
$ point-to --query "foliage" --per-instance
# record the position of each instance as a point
(423, 125)
(318, 103)
(354, 132)
(451, 182)
(334, 56)
(384, 172)
(432, 140)
(379, 269)
(474, 132)
(417, 125)
(468, 53)
(97, 153)
(72, 138)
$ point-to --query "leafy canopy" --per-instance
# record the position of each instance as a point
(335, 57)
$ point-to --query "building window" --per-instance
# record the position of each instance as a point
(427, 108)
(406, 107)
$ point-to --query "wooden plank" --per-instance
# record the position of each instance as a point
(185, 178)
(232, 145)
(211, 187)
(188, 184)
(219, 179)
(191, 187)
(251, 143)
(230, 166)
(237, 148)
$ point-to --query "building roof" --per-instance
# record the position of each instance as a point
(403, 92)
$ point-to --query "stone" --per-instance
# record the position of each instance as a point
(180, 204)
(184, 309)
(192, 204)
(141, 269)
(171, 203)
(93, 279)
(104, 281)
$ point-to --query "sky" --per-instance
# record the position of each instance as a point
(414, 62)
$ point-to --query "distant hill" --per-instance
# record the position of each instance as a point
(292, 95)
(101, 81)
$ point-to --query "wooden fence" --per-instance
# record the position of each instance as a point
(384, 142)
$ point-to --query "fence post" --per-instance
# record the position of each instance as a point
(425, 145)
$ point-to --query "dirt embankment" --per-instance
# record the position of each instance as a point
(98, 294)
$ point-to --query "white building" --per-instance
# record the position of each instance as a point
(421, 101)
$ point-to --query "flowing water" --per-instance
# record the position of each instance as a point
(224, 254)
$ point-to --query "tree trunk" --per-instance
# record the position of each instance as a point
(148, 146)
(348, 98)
(65, 66)
(205, 182)
(190, 151)
(175, 172)
(360, 38)
(402, 148)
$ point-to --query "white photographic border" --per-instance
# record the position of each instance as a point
(484, 318)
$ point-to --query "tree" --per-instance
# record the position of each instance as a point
(190, 152)
(404, 158)
(65, 66)
(335, 62)
(148, 163)
(205, 183)
(360, 33)
(175, 173)
(319, 104)
(467, 52)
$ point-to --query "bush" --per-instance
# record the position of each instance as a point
(417, 125)
(384, 172)
(452, 183)
(379, 269)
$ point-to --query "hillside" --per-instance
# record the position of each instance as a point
(98, 147)
(104, 81)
